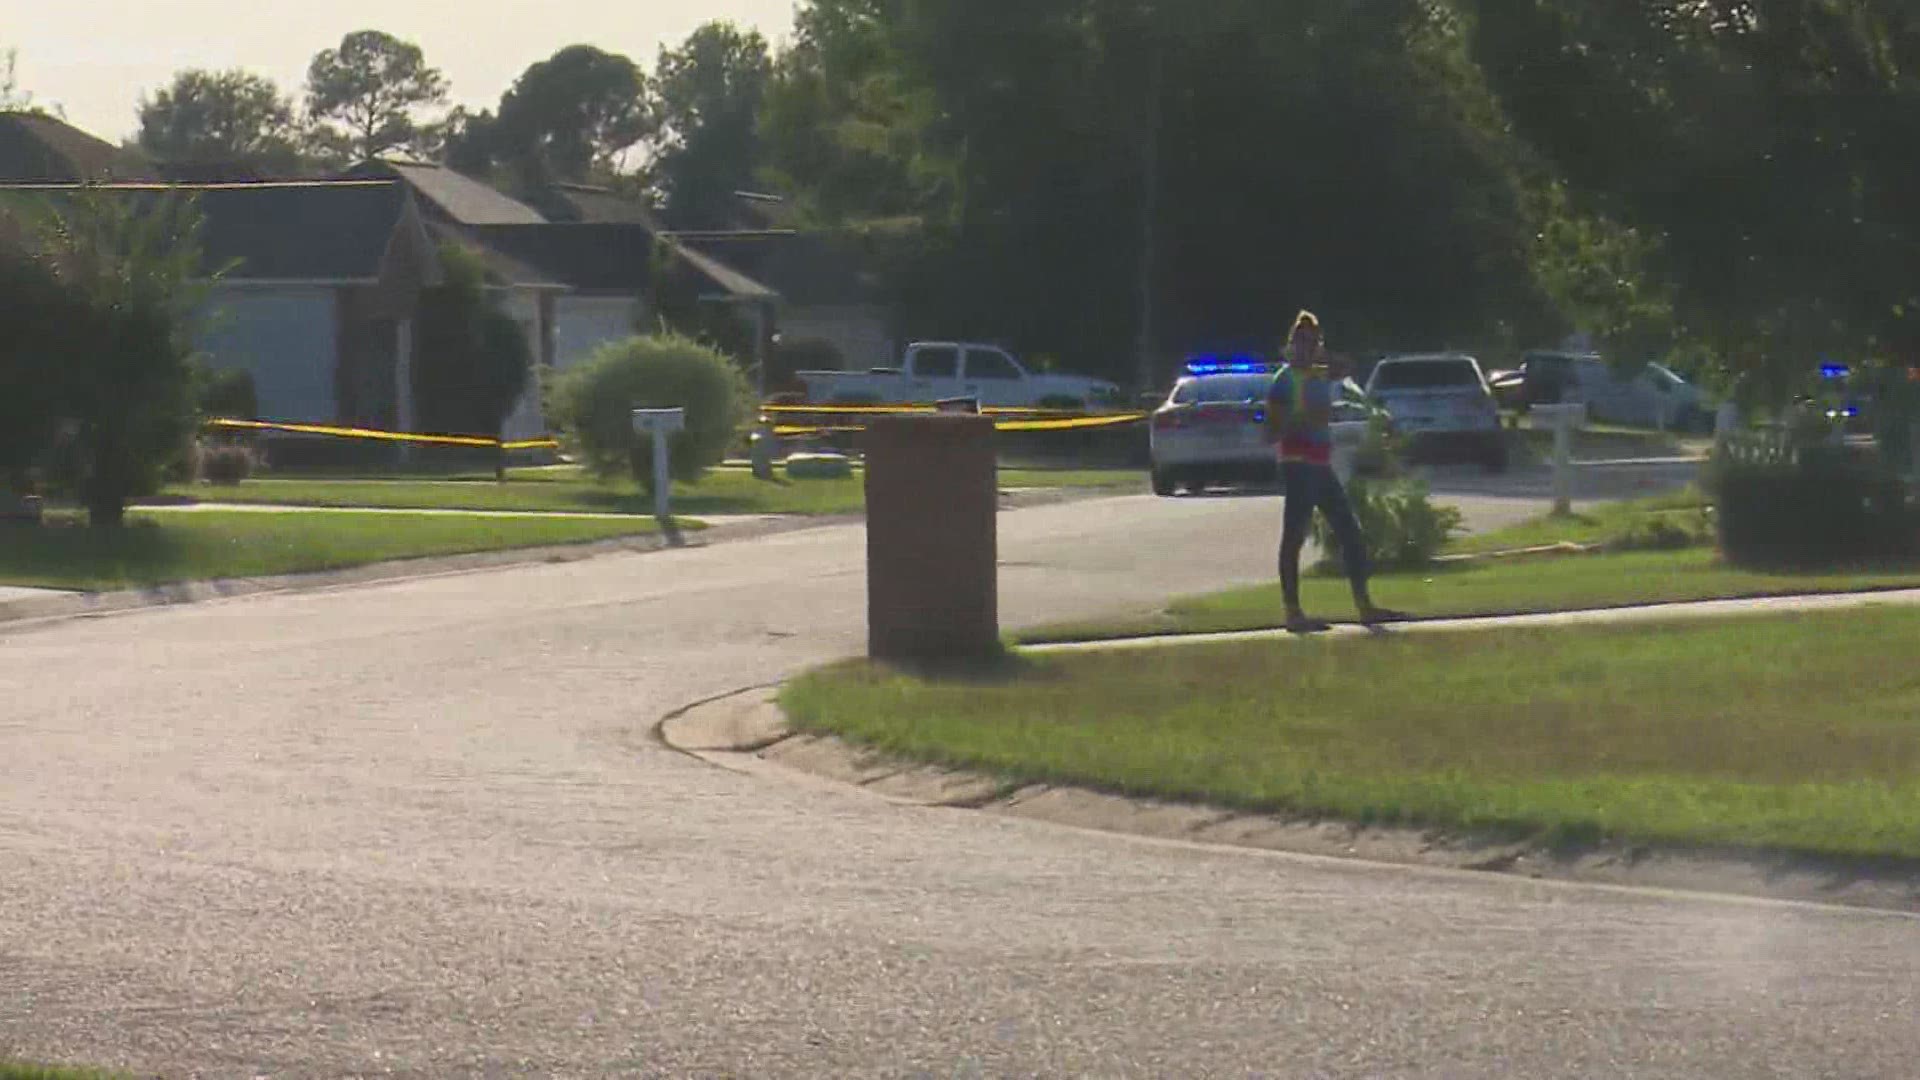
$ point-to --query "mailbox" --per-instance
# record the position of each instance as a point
(659, 424)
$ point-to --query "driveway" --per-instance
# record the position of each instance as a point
(422, 829)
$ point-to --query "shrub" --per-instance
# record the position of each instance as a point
(1810, 506)
(226, 464)
(592, 405)
(1403, 527)
(226, 394)
(1663, 532)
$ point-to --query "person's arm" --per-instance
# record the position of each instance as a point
(1279, 409)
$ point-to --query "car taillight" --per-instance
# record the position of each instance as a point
(1166, 421)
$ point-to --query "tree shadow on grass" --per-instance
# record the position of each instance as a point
(65, 552)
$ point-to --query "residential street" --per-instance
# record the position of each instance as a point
(424, 829)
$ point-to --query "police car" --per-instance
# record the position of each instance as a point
(1212, 429)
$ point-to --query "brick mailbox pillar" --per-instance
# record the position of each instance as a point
(932, 544)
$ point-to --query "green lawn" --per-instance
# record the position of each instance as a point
(723, 491)
(1603, 442)
(1597, 524)
(1495, 587)
(156, 548)
(1793, 734)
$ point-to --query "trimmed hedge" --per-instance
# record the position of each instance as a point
(1814, 507)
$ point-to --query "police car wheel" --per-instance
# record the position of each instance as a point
(1162, 483)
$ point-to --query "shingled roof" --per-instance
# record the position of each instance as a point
(313, 231)
(457, 197)
(39, 149)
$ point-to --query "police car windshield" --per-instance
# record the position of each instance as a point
(1214, 389)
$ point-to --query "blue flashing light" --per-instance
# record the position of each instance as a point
(1235, 365)
(1834, 371)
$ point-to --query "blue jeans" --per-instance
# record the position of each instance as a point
(1309, 488)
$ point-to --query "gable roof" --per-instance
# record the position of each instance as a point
(39, 149)
(810, 269)
(587, 203)
(601, 257)
(457, 197)
(325, 231)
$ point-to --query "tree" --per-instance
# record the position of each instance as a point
(706, 100)
(472, 360)
(32, 307)
(12, 97)
(368, 95)
(1769, 180)
(219, 116)
(128, 270)
(570, 116)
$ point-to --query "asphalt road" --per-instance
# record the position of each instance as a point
(421, 829)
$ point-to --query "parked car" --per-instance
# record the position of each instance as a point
(1652, 397)
(1442, 404)
(1212, 427)
(938, 371)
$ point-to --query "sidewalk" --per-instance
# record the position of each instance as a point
(1649, 613)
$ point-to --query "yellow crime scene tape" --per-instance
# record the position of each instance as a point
(383, 436)
(1029, 420)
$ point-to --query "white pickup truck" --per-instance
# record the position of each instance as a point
(943, 370)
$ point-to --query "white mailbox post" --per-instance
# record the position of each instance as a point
(660, 423)
(1565, 419)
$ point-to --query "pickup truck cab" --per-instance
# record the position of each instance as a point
(941, 370)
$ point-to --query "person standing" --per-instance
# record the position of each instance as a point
(1300, 426)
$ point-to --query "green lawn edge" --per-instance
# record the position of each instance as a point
(166, 548)
(1841, 782)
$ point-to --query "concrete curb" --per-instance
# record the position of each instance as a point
(748, 733)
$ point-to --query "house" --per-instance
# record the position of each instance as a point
(318, 280)
(575, 283)
(826, 299)
(39, 149)
(316, 285)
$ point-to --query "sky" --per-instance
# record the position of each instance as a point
(94, 58)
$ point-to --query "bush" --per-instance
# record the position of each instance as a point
(226, 394)
(592, 405)
(226, 464)
(1404, 528)
(1810, 507)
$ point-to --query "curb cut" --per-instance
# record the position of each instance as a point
(746, 732)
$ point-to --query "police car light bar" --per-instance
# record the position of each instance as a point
(1238, 365)
(1835, 371)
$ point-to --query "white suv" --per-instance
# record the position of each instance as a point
(1442, 403)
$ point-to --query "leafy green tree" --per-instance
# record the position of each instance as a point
(219, 116)
(1769, 162)
(706, 101)
(368, 95)
(131, 277)
(569, 117)
(32, 307)
(472, 360)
